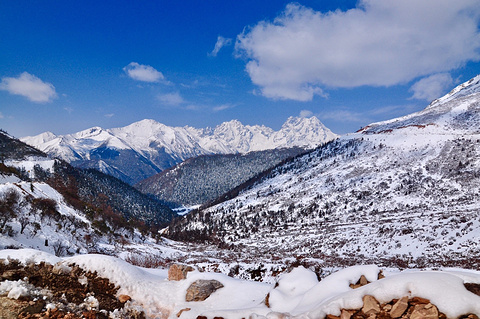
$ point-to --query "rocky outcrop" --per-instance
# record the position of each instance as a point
(370, 305)
(202, 289)
(361, 282)
(124, 298)
(472, 287)
(178, 272)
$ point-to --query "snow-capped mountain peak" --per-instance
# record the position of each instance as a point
(464, 89)
(301, 130)
(41, 138)
(154, 146)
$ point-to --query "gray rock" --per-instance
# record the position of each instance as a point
(202, 289)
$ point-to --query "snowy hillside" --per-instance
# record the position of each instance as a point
(404, 191)
(48, 204)
(142, 149)
(39, 212)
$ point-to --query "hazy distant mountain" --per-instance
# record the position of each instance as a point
(407, 189)
(142, 149)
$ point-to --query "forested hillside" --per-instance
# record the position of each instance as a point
(50, 199)
(202, 179)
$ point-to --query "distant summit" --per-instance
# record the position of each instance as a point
(142, 149)
(464, 89)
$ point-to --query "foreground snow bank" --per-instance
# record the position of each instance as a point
(297, 294)
(27, 255)
(445, 290)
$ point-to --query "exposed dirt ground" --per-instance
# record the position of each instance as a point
(60, 292)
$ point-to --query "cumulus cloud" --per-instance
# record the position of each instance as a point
(378, 43)
(29, 86)
(172, 99)
(144, 73)
(221, 42)
(432, 87)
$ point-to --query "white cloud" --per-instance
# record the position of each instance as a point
(109, 115)
(432, 87)
(221, 42)
(193, 107)
(305, 113)
(378, 43)
(144, 73)
(223, 107)
(29, 86)
(68, 109)
(1, 115)
(172, 99)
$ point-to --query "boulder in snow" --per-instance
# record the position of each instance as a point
(202, 289)
(178, 272)
(124, 298)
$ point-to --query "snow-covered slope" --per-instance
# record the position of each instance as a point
(405, 189)
(464, 89)
(140, 150)
(30, 227)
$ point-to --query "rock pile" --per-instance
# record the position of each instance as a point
(403, 308)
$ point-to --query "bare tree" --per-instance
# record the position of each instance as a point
(59, 249)
(24, 221)
(8, 207)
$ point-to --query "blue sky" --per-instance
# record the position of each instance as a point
(66, 66)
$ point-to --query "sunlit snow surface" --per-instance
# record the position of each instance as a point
(297, 295)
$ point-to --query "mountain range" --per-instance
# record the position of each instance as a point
(404, 191)
(142, 149)
(400, 193)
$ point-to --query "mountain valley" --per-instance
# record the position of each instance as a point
(400, 194)
(400, 190)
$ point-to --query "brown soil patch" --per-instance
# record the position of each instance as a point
(67, 290)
